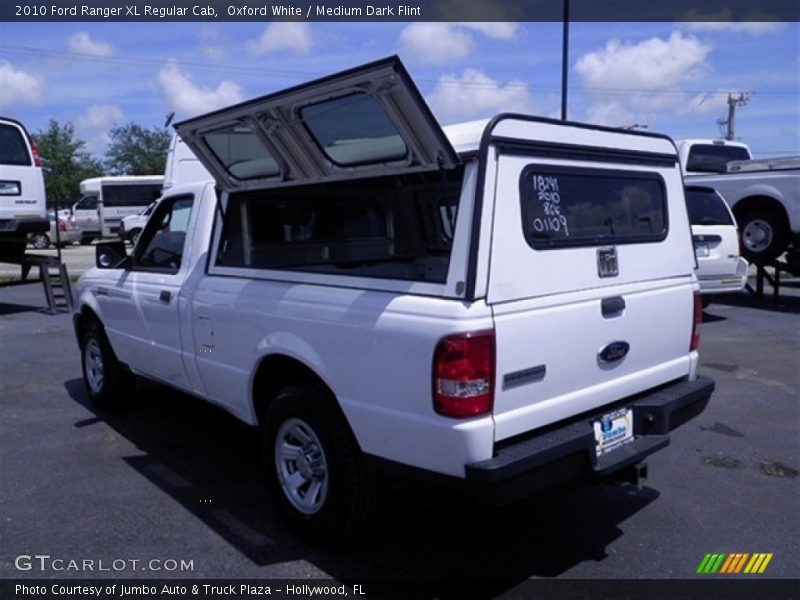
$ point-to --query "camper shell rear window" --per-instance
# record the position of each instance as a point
(570, 206)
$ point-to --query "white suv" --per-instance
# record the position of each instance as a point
(720, 268)
(22, 197)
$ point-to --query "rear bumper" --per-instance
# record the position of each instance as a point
(22, 227)
(566, 451)
(723, 284)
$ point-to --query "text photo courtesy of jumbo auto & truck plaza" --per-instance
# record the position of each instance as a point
(441, 299)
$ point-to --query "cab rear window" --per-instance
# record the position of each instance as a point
(13, 149)
(565, 206)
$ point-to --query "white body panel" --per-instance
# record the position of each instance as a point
(182, 165)
(372, 340)
(26, 201)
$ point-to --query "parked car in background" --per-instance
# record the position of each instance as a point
(763, 194)
(22, 195)
(720, 268)
(68, 233)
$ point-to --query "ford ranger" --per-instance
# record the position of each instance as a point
(502, 305)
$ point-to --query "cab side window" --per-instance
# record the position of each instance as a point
(162, 243)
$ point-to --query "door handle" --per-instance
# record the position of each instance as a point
(165, 296)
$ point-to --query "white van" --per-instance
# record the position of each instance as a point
(22, 196)
(106, 200)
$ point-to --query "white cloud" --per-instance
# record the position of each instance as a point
(443, 43)
(284, 36)
(496, 30)
(19, 87)
(95, 123)
(474, 94)
(100, 116)
(644, 78)
(654, 63)
(435, 43)
(82, 43)
(613, 114)
(189, 98)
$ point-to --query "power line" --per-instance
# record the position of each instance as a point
(296, 74)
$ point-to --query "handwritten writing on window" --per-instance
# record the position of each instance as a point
(547, 193)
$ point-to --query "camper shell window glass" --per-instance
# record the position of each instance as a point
(130, 195)
(241, 153)
(566, 206)
(13, 149)
(711, 158)
(354, 130)
(392, 227)
(706, 207)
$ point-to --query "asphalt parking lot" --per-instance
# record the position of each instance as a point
(173, 478)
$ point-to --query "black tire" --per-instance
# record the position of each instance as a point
(115, 382)
(345, 506)
(764, 235)
(86, 240)
(40, 241)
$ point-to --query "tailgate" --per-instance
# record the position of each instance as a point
(590, 283)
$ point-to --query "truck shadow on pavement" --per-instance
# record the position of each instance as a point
(209, 462)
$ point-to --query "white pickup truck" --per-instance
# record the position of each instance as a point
(504, 305)
(763, 194)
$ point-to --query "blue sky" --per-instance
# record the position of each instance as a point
(672, 77)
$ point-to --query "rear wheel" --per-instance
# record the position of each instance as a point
(107, 382)
(86, 240)
(314, 466)
(763, 235)
(40, 241)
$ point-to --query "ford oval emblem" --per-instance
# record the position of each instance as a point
(613, 352)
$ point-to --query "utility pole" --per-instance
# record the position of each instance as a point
(730, 122)
(564, 60)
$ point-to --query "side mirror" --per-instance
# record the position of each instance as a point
(110, 255)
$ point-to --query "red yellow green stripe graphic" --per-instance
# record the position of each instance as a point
(735, 562)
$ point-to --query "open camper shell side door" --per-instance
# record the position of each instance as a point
(365, 122)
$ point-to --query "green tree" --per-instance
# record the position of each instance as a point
(135, 150)
(66, 162)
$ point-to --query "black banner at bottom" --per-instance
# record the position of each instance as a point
(322, 589)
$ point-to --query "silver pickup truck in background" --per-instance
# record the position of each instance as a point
(763, 194)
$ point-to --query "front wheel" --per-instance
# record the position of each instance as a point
(763, 235)
(107, 381)
(40, 241)
(313, 465)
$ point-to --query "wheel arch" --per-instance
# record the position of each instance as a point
(760, 203)
(276, 371)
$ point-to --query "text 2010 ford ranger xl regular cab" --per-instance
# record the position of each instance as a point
(505, 305)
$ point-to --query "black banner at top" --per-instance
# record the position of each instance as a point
(397, 10)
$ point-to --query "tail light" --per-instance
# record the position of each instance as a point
(697, 318)
(37, 160)
(62, 226)
(463, 375)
